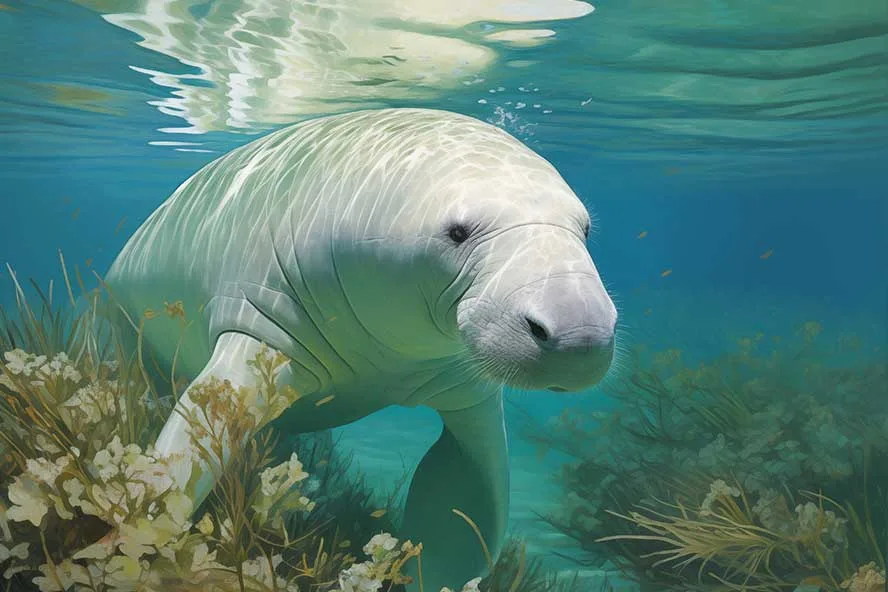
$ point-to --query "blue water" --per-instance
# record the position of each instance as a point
(722, 129)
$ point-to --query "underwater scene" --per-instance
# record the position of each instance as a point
(443, 296)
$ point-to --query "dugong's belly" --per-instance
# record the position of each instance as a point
(180, 341)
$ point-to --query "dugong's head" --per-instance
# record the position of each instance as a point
(534, 312)
(499, 264)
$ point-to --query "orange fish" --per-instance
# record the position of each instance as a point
(120, 225)
(325, 400)
(766, 254)
(377, 513)
(76, 214)
(642, 234)
(89, 262)
(666, 273)
(648, 311)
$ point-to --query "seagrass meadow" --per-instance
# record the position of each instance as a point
(761, 469)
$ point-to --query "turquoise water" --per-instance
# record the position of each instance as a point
(723, 130)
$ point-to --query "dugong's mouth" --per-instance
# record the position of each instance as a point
(541, 342)
(508, 373)
(569, 372)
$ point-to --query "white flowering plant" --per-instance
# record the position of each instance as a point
(140, 535)
(761, 469)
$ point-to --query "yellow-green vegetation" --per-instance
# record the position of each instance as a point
(87, 505)
(763, 469)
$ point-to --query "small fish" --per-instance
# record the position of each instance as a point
(331, 319)
(76, 214)
(322, 463)
(766, 254)
(670, 171)
(642, 234)
(120, 225)
(325, 400)
(648, 311)
(66, 200)
(666, 273)
(148, 314)
(377, 513)
(344, 544)
(89, 262)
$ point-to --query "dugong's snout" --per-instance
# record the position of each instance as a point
(572, 322)
(555, 330)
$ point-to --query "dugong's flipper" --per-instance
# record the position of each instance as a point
(467, 469)
(229, 361)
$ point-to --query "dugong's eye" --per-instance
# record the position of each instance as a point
(586, 230)
(458, 233)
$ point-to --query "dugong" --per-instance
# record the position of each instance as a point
(396, 257)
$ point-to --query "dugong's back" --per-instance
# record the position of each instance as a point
(307, 169)
(220, 225)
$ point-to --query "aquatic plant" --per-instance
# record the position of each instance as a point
(763, 469)
(516, 572)
(88, 505)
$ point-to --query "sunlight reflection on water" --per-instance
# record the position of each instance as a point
(271, 62)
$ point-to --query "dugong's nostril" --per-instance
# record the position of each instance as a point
(537, 330)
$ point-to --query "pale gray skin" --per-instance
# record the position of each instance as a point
(332, 241)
